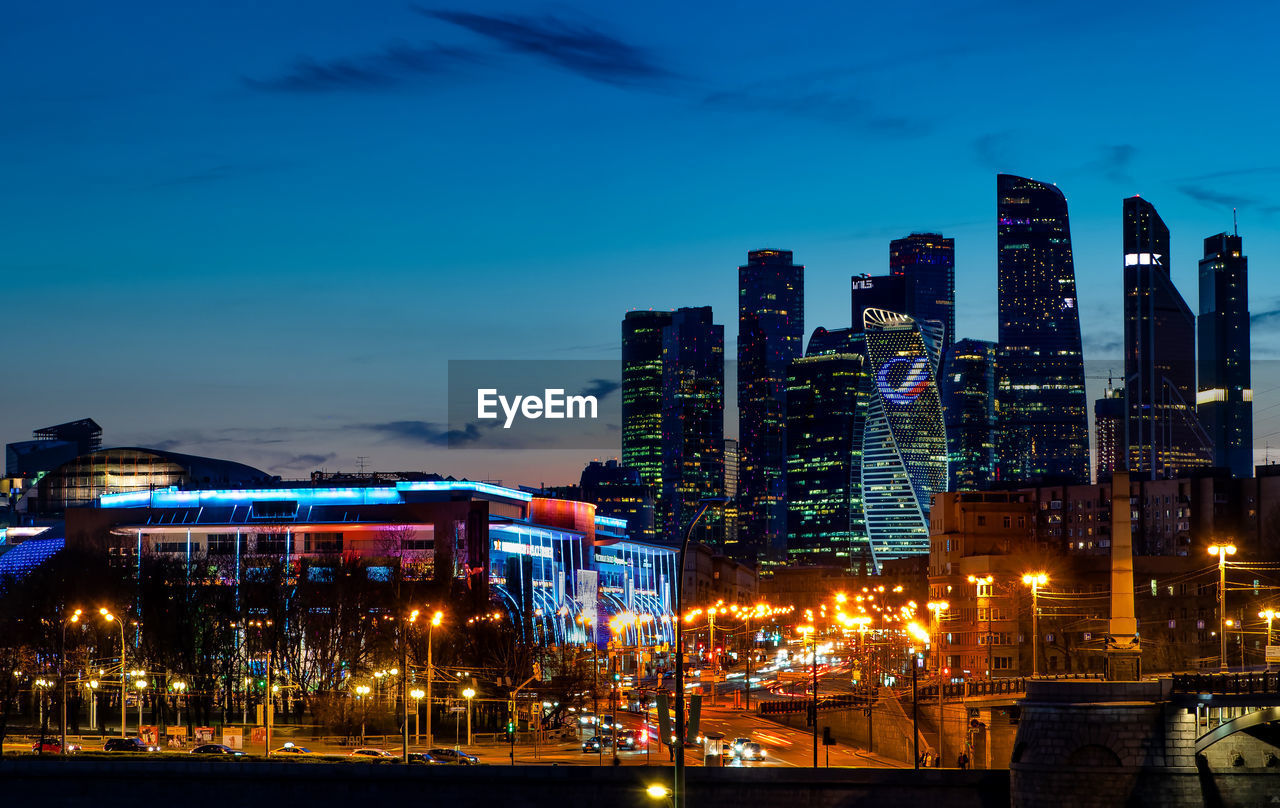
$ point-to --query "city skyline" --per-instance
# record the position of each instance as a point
(272, 210)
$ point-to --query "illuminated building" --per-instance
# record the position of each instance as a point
(888, 292)
(1225, 398)
(1108, 430)
(928, 262)
(732, 454)
(826, 411)
(1163, 436)
(770, 335)
(692, 422)
(1043, 426)
(552, 565)
(968, 387)
(51, 447)
(642, 395)
(617, 492)
(904, 445)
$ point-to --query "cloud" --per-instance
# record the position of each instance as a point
(303, 461)
(428, 433)
(391, 66)
(601, 388)
(993, 151)
(1265, 319)
(577, 48)
(1216, 199)
(1104, 343)
(1114, 163)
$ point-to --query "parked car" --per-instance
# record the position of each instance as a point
(423, 758)
(214, 749)
(127, 745)
(53, 746)
(372, 754)
(454, 756)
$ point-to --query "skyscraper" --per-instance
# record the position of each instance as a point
(826, 411)
(731, 457)
(1225, 398)
(1043, 426)
(1108, 430)
(904, 445)
(692, 420)
(928, 262)
(1163, 437)
(770, 335)
(888, 292)
(968, 385)
(642, 395)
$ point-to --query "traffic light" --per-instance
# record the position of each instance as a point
(511, 731)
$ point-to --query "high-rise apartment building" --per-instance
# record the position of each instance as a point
(1108, 432)
(1225, 398)
(968, 386)
(1163, 436)
(1043, 426)
(732, 454)
(928, 262)
(770, 335)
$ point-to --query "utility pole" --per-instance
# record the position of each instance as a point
(915, 715)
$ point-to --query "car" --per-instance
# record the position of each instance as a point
(292, 749)
(607, 722)
(215, 749)
(127, 745)
(751, 751)
(423, 758)
(53, 746)
(371, 753)
(454, 756)
(596, 742)
(630, 739)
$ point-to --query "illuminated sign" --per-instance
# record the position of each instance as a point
(908, 386)
(1143, 259)
(864, 283)
(522, 549)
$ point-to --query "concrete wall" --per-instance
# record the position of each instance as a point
(95, 783)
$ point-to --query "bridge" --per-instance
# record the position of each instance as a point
(1228, 703)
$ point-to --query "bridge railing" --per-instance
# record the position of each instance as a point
(1233, 684)
(992, 687)
(798, 704)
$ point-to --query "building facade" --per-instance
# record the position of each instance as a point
(1163, 436)
(1108, 431)
(928, 262)
(642, 395)
(1043, 424)
(968, 385)
(1225, 398)
(770, 336)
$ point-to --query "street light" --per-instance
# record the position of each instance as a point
(979, 581)
(937, 608)
(1222, 551)
(417, 695)
(678, 793)
(124, 687)
(62, 674)
(361, 692)
(1035, 580)
(809, 632)
(180, 688)
(436, 619)
(141, 684)
(1268, 615)
(468, 694)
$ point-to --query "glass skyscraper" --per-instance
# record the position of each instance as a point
(904, 446)
(1225, 397)
(692, 420)
(642, 395)
(968, 385)
(1043, 424)
(1163, 437)
(826, 411)
(928, 262)
(770, 336)
(1108, 431)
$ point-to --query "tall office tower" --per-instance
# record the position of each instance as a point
(732, 455)
(1225, 398)
(968, 386)
(904, 444)
(617, 491)
(1042, 426)
(826, 410)
(1108, 431)
(642, 395)
(888, 292)
(928, 262)
(1164, 439)
(770, 335)
(692, 421)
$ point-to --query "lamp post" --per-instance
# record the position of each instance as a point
(93, 704)
(808, 632)
(62, 674)
(141, 685)
(1268, 615)
(436, 619)
(677, 792)
(585, 621)
(417, 695)
(1035, 580)
(1222, 551)
(404, 688)
(468, 694)
(124, 686)
(361, 692)
(979, 582)
(179, 688)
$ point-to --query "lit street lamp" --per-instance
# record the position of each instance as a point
(124, 687)
(436, 619)
(361, 692)
(469, 694)
(1268, 615)
(141, 684)
(62, 675)
(417, 695)
(1035, 581)
(1222, 551)
(180, 689)
(980, 581)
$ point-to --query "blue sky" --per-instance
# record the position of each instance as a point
(259, 231)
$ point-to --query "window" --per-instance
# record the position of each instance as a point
(982, 521)
(1001, 663)
(272, 543)
(1008, 521)
(222, 543)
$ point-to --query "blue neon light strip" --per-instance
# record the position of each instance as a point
(173, 498)
(609, 521)
(465, 485)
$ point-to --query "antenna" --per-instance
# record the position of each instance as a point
(1235, 223)
(360, 462)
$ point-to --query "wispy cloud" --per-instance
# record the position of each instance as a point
(1113, 163)
(391, 66)
(1216, 199)
(601, 388)
(576, 47)
(1265, 319)
(428, 433)
(993, 150)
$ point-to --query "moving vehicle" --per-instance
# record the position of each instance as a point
(423, 758)
(127, 745)
(214, 749)
(454, 756)
(630, 739)
(53, 746)
(371, 753)
(596, 742)
(291, 749)
(751, 751)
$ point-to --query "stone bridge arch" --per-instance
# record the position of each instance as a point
(1264, 716)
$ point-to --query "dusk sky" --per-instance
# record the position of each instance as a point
(258, 231)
